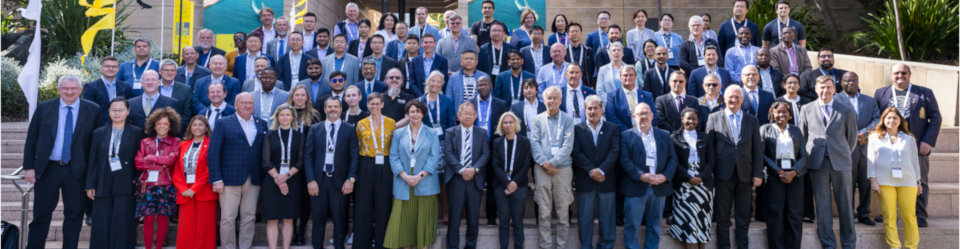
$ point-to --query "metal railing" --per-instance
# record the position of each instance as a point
(24, 201)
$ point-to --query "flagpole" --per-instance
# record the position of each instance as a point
(163, 11)
(113, 34)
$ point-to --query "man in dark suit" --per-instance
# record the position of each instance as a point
(596, 151)
(693, 50)
(670, 105)
(738, 168)
(466, 153)
(655, 79)
(493, 60)
(578, 53)
(769, 74)
(169, 87)
(417, 73)
(711, 55)
(756, 102)
(536, 54)
(235, 172)
(321, 46)
(919, 107)
(331, 166)
(368, 85)
(241, 70)
(808, 80)
(231, 85)
(528, 109)
(831, 132)
(288, 60)
(190, 72)
(396, 49)
(411, 46)
(384, 63)
(573, 94)
(105, 89)
(868, 115)
(489, 111)
(649, 162)
(142, 106)
(55, 160)
(712, 101)
(620, 106)
(217, 108)
(206, 50)
(602, 56)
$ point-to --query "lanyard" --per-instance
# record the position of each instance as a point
(342, 62)
(700, 45)
(117, 139)
(899, 156)
(559, 127)
(436, 121)
(513, 91)
(423, 28)
(376, 147)
(906, 98)
(284, 149)
(207, 60)
(780, 30)
(659, 76)
(331, 139)
(509, 163)
(149, 61)
(346, 25)
(555, 75)
(484, 121)
(668, 42)
(496, 59)
(793, 62)
(570, 49)
(743, 56)
(834, 77)
(156, 142)
(413, 142)
(190, 160)
(736, 31)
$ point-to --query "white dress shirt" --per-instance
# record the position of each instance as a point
(650, 146)
(249, 128)
(579, 95)
(691, 138)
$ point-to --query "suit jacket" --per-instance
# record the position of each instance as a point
(346, 155)
(517, 108)
(657, 86)
(240, 66)
(322, 90)
(762, 111)
(486, 59)
(279, 97)
(924, 120)
(808, 82)
(607, 80)
(839, 135)
(378, 86)
(427, 156)
(227, 111)
(617, 109)
(271, 48)
(404, 65)
(689, 58)
(502, 86)
(668, 117)
(593, 40)
(286, 70)
(588, 78)
(99, 176)
(695, 85)
(350, 66)
(231, 158)
(453, 143)
(201, 185)
(184, 95)
(602, 56)
(602, 155)
(720, 105)
(200, 98)
(777, 80)
(770, 134)
(633, 158)
(585, 91)
(522, 161)
(497, 108)
(867, 117)
(705, 152)
(452, 54)
(780, 59)
(354, 48)
(454, 87)
(313, 52)
(394, 52)
(137, 117)
(528, 61)
(386, 64)
(96, 92)
(198, 72)
(42, 134)
(206, 58)
(744, 155)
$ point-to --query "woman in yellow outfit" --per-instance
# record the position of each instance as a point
(894, 171)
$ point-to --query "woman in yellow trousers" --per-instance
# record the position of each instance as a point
(894, 170)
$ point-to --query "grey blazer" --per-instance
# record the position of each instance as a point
(867, 118)
(445, 48)
(251, 84)
(839, 135)
(323, 90)
(351, 66)
(280, 97)
(271, 49)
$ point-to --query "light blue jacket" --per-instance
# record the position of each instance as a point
(428, 159)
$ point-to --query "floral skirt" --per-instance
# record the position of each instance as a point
(157, 200)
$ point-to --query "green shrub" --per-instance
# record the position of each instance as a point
(764, 11)
(64, 21)
(14, 104)
(929, 27)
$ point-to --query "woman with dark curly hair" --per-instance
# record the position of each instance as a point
(159, 151)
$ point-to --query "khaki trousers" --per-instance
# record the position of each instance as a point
(554, 193)
(242, 201)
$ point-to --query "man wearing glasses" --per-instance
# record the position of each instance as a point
(108, 87)
(383, 62)
(369, 84)
(395, 99)
(598, 39)
(809, 79)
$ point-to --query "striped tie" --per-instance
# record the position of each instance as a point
(467, 153)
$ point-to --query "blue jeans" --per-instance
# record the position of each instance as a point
(593, 202)
(634, 209)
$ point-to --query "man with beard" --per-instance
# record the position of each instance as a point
(809, 78)
(333, 90)
(509, 83)
(369, 84)
(321, 46)
(280, 45)
(770, 78)
(206, 50)
(190, 72)
(314, 83)
(395, 99)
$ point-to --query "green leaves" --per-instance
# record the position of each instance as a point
(64, 21)
(764, 11)
(930, 30)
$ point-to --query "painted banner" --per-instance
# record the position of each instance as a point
(182, 25)
(226, 17)
(508, 12)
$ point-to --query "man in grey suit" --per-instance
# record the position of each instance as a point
(868, 115)
(314, 83)
(280, 45)
(170, 87)
(268, 98)
(254, 84)
(466, 152)
(384, 63)
(831, 132)
(453, 45)
(342, 61)
(190, 72)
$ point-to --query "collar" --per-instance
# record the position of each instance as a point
(575, 88)
(298, 54)
(105, 81)
(480, 99)
(855, 95)
(245, 121)
(323, 48)
(335, 123)
(369, 82)
(674, 95)
(464, 73)
(155, 96)
(271, 92)
(254, 56)
(791, 100)
(707, 97)
(634, 90)
(599, 125)
(827, 104)
(648, 134)
(425, 58)
(464, 129)
(727, 112)
(223, 105)
(266, 29)
(692, 133)
(75, 105)
(212, 79)
(534, 103)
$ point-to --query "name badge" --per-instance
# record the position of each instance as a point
(115, 164)
(136, 85)
(651, 162)
(701, 62)
(897, 172)
(153, 176)
(191, 178)
(379, 159)
(328, 159)
(413, 161)
(692, 173)
(402, 101)
(496, 70)
(284, 168)
(438, 131)
(785, 164)
(515, 101)
(670, 52)
(554, 150)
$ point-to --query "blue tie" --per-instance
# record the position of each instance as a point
(110, 91)
(280, 52)
(67, 136)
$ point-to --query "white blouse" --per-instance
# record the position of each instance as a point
(882, 157)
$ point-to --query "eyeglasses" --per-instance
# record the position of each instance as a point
(826, 56)
(118, 111)
(164, 124)
(245, 103)
(851, 81)
(336, 80)
(712, 85)
(604, 19)
(238, 39)
(369, 69)
(394, 77)
(109, 67)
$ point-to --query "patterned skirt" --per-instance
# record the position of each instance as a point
(157, 200)
(692, 214)
(412, 222)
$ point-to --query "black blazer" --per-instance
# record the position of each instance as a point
(808, 81)
(355, 47)
(485, 59)
(803, 101)
(403, 65)
(345, 159)
(138, 118)
(668, 117)
(385, 65)
(99, 176)
(705, 151)
(744, 155)
(96, 92)
(528, 62)
(497, 108)
(587, 156)
(586, 68)
(520, 167)
(286, 71)
(688, 55)
(651, 82)
(777, 77)
(451, 150)
(42, 133)
(770, 134)
(184, 96)
(518, 110)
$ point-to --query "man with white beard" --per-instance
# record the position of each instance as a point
(206, 50)
(395, 100)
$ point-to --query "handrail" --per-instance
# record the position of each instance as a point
(24, 201)
(13, 176)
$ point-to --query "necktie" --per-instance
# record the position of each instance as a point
(147, 108)
(755, 100)
(735, 128)
(111, 92)
(188, 77)
(679, 104)
(67, 136)
(280, 50)
(467, 154)
(333, 130)
(631, 101)
(369, 88)
(576, 103)
(826, 119)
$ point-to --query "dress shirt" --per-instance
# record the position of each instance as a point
(268, 35)
(734, 123)
(785, 144)
(309, 39)
(650, 146)
(691, 138)
(282, 46)
(674, 97)
(766, 81)
(322, 52)
(738, 57)
(853, 102)
(167, 91)
(715, 71)
(212, 114)
(712, 102)
(249, 129)
(530, 111)
(352, 29)
(428, 63)
(295, 66)
(580, 106)
(794, 61)
(636, 38)
(111, 87)
(333, 138)
(61, 122)
(251, 72)
(484, 107)
(266, 104)
(537, 55)
(553, 77)
(314, 89)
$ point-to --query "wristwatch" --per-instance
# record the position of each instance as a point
(477, 170)
(353, 179)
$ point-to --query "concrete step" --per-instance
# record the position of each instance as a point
(11, 160)
(948, 141)
(12, 146)
(940, 234)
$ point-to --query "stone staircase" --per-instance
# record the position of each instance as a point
(944, 208)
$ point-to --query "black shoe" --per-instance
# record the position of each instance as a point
(89, 221)
(619, 222)
(300, 240)
(808, 220)
(760, 219)
(174, 219)
(922, 223)
(878, 219)
(866, 221)
(166, 243)
(491, 222)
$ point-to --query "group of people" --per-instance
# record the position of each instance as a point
(414, 124)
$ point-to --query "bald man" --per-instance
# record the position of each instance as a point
(141, 106)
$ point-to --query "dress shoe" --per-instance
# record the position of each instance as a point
(619, 222)
(298, 240)
(808, 220)
(866, 221)
(878, 219)
(922, 223)
(89, 221)
(491, 222)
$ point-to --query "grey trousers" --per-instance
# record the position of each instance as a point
(861, 183)
(841, 181)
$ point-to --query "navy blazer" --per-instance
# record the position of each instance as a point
(517, 108)
(96, 92)
(633, 157)
(521, 162)
(528, 62)
(485, 59)
(584, 90)
(502, 90)
(285, 70)
(42, 133)
(695, 82)
(346, 155)
(137, 117)
(668, 117)
(761, 112)
(617, 110)
(200, 99)
(417, 79)
(602, 155)
(230, 157)
(396, 53)
(198, 73)
(777, 80)
(451, 150)
(497, 108)
(378, 86)
(924, 120)
(704, 152)
(587, 78)
(593, 40)
(227, 111)
(652, 82)
(314, 54)
(689, 59)
(240, 66)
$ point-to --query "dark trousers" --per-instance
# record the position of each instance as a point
(760, 203)
(729, 194)
(809, 209)
(57, 179)
(511, 208)
(924, 182)
(618, 175)
(593, 204)
(463, 194)
(329, 204)
(373, 203)
(862, 184)
(490, 209)
(783, 213)
(300, 224)
(116, 222)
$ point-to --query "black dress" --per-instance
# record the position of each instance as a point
(276, 205)
(353, 119)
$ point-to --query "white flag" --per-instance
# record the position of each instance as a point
(29, 78)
